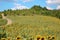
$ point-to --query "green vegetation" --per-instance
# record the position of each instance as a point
(2, 32)
(28, 23)
(3, 22)
(0, 16)
(35, 10)
(30, 26)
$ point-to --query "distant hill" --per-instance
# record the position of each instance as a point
(35, 10)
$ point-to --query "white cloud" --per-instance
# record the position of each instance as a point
(49, 8)
(26, 0)
(58, 7)
(53, 1)
(19, 6)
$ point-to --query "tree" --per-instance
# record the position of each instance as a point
(36, 7)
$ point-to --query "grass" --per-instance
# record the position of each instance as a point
(3, 22)
(30, 26)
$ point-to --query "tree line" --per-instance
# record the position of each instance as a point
(35, 10)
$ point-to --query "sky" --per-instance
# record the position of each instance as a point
(26, 4)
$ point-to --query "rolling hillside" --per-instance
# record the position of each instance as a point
(30, 26)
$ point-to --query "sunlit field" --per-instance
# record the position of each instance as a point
(29, 26)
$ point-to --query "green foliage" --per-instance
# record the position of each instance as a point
(35, 10)
(0, 16)
(3, 22)
(2, 33)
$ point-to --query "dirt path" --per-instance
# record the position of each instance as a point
(9, 21)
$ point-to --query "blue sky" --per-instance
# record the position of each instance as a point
(23, 4)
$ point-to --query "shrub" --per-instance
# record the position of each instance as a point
(3, 22)
(0, 16)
